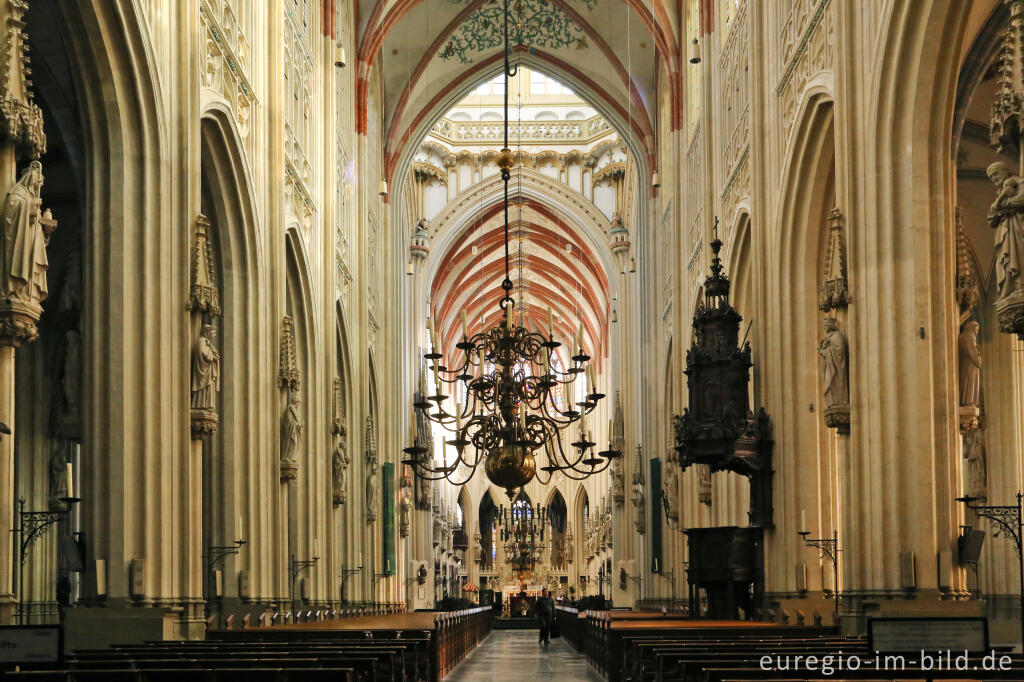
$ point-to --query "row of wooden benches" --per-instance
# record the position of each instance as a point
(268, 618)
(414, 650)
(644, 647)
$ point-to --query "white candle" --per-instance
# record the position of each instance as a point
(579, 337)
(101, 577)
(316, 547)
(71, 480)
(430, 326)
(803, 520)
(463, 316)
(387, 568)
(655, 564)
(551, 323)
(360, 560)
(412, 427)
(238, 528)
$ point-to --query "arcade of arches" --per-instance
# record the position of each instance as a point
(215, 306)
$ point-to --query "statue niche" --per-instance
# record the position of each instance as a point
(717, 429)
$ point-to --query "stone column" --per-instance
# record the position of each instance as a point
(23, 271)
(203, 305)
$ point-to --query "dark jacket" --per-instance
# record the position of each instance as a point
(545, 608)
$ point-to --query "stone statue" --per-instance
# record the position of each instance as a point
(618, 480)
(834, 352)
(970, 365)
(291, 436)
(372, 475)
(71, 377)
(405, 504)
(24, 260)
(339, 468)
(1005, 216)
(205, 369)
(704, 484)
(974, 453)
(638, 498)
(58, 476)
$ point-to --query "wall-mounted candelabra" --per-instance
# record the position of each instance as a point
(1007, 519)
(218, 553)
(32, 525)
(346, 573)
(829, 549)
(300, 565)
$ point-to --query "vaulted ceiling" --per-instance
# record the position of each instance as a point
(432, 52)
(551, 263)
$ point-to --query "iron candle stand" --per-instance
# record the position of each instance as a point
(218, 553)
(1008, 519)
(345, 574)
(297, 567)
(32, 525)
(829, 548)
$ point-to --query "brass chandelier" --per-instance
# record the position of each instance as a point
(510, 378)
(522, 531)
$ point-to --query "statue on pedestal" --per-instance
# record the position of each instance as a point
(372, 475)
(405, 504)
(974, 454)
(58, 476)
(970, 365)
(205, 369)
(638, 499)
(1005, 216)
(339, 467)
(291, 437)
(834, 352)
(24, 261)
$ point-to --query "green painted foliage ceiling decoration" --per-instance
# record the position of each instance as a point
(533, 23)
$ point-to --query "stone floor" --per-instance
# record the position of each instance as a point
(514, 655)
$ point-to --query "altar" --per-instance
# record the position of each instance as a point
(519, 601)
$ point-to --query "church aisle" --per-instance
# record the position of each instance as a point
(515, 655)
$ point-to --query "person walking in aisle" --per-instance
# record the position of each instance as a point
(545, 616)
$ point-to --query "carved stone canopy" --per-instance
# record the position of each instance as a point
(834, 291)
(718, 429)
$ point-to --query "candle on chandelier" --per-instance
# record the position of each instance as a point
(803, 520)
(412, 427)
(590, 378)
(458, 423)
(71, 480)
(430, 326)
(579, 337)
(463, 316)
(551, 323)
(316, 547)
(508, 317)
(238, 528)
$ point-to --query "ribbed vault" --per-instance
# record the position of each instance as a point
(555, 262)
